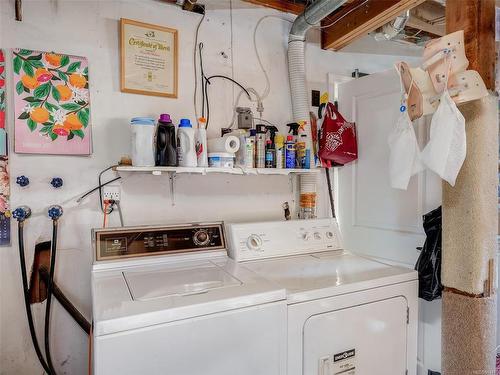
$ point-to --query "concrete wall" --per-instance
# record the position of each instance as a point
(90, 28)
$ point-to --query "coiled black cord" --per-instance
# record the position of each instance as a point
(34, 339)
(49, 296)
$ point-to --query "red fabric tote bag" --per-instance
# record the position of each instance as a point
(338, 141)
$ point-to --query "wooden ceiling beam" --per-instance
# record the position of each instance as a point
(421, 24)
(282, 5)
(359, 18)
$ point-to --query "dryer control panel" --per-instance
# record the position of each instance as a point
(119, 243)
(249, 241)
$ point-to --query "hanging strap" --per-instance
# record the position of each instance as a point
(330, 192)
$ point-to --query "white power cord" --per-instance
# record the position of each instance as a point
(268, 83)
(259, 97)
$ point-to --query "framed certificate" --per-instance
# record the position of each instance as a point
(148, 59)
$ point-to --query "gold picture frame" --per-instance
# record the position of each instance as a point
(149, 59)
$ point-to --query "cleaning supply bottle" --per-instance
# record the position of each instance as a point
(290, 152)
(166, 148)
(186, 152)
(250, 149)
(260, 146)
(270, 154)
(201, 146)
(279, 141)
(143, 130)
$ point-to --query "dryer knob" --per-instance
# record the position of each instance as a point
(254, 242)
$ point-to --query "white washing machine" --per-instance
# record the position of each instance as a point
(347, 314)
(168, 300)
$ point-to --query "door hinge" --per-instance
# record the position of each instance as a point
(407, 320)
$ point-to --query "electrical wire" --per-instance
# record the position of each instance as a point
(49, 296)
(319, 26)
(96, 188)
(195, 96)
(200, 50)
(34, 339)
(105, 213)
(266, 76)
(119, 207)
(100, 185)
(207, 82)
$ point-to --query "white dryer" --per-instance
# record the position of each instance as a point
(168, 300)
(347, 314)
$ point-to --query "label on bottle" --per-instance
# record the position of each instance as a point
(290, 155)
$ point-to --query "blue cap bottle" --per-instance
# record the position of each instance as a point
(185, 123)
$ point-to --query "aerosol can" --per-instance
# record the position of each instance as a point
(260, 146)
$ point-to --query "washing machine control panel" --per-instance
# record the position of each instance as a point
(120, 243)
(250, 241)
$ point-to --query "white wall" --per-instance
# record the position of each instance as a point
(90, 28)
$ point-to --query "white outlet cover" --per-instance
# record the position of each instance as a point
(111, 192)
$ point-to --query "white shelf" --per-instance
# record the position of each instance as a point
(206, 170)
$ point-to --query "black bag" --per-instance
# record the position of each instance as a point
(429, 262)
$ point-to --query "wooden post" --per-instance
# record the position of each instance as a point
(470, 216)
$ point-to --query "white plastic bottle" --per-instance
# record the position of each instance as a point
(186, 150)
(201, 146)
(143, 129)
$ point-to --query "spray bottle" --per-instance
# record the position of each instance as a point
(271, 147)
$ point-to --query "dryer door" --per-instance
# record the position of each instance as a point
(360, 340)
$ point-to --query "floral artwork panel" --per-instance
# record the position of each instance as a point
(4, 165)
(51, 103)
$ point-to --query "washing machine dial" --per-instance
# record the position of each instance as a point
(201, 237)
(254, 242)
(306, 236)
(317, 236)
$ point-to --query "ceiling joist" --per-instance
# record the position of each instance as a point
(360, 18)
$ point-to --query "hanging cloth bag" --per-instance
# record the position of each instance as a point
(338, 141)
(404, 157)
(447, 147)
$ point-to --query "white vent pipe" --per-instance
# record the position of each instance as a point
(296, 60)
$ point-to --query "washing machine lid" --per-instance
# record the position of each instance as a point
(321, 275)
(161, 283)
(146, 295)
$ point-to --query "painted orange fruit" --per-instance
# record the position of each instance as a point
(64, 92)
(40, 115)
(72, 122)
(77, 80)
(29, 82)
(43, 75)
(60, 130)
(53, 59)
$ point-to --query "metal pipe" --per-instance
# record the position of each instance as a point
(311, 16)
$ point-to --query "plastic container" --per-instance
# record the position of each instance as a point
(201, 147)
(250, 149)
(221, 160)
(279, 140)
(186, 149)
(166, 144)
(143, 150)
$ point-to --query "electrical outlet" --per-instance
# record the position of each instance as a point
(111, 192)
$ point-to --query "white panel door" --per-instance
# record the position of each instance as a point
(366, 339)
(374, 218)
